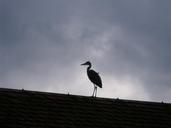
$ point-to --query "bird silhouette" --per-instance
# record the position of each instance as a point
(94, 77)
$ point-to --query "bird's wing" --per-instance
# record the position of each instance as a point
(95, 78)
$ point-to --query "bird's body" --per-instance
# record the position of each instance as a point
(94, 77)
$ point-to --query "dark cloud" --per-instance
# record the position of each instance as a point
(42, 44)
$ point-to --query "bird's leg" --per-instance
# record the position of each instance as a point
(93, 91)
(96, 90)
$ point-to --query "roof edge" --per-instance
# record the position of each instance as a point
(81, 96)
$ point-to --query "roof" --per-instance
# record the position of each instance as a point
(31, 109)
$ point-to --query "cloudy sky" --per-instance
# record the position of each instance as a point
(43, 43)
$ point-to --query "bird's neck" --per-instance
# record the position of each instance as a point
(88, 68)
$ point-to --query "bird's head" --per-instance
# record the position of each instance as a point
(87, 63)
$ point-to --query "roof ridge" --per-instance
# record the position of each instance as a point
(81, 96)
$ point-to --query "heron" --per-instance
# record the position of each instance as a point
(94, 78)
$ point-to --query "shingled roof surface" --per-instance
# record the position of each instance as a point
(31, 109)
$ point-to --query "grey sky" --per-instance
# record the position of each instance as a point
(43, 43)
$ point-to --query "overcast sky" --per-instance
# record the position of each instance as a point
(43, 43)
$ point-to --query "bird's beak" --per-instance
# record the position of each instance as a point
(83, 64)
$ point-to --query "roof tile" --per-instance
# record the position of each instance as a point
(21, 108)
